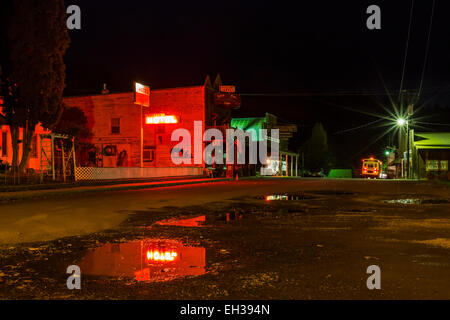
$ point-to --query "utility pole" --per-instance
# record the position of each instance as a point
(410, 113)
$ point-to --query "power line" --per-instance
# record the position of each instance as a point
(343, 93)
(317, 94)
(427, 49)
(406, 51)
(358, 127)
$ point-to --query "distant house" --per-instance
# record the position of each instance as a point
(431, 155)
(288, 161)
(6, 150)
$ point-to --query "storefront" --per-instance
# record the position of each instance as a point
(432, 155)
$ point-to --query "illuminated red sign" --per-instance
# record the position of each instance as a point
(141, 94)
(160, 119)
(161, 256)
(229, 89)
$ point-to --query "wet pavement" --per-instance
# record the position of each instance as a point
(260, 239)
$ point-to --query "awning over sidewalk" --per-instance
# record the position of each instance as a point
(434, 140)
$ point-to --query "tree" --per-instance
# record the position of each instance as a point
(34, 71)
(73, 122)
(316, 151)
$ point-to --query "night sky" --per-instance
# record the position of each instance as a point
(271, 47)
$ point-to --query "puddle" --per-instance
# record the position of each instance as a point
(151, 260)
(184, 222)
(332, 193)
(416, 201)
(285, 197)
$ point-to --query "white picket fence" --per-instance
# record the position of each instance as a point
(89, 173)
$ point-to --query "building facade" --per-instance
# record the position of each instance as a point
(6, 149)
(431, 155)
(115, 124)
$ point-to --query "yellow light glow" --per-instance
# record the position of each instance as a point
(401, 122)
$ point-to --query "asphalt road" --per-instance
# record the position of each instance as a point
(227, 240)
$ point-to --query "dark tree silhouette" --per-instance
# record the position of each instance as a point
(316, 151)
(34, 71)
(74, 123)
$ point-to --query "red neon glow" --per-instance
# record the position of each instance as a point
(160, 119)
(163, 256)
(141, 94)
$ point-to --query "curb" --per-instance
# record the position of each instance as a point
(42, 194)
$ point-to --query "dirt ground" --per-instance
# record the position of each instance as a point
(251, 239)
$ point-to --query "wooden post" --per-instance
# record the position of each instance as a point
(287, 167)
(53, 158)
(292, 165)
(279, 164)
(73, 157)
(41, 160)
(296, 165)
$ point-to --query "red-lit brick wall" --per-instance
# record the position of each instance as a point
(187, 104)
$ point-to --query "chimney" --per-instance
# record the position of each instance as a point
(105, 90)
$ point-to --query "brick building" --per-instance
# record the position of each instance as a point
(114, 121)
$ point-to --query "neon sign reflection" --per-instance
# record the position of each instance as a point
(145, 260)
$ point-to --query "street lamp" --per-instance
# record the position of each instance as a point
(401, 122)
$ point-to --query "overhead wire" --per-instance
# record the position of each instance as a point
(426, 50)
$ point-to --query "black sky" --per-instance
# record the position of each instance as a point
(266, 47)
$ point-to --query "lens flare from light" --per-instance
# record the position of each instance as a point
(401, 122)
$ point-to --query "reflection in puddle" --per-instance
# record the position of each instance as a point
(417, 201)
(145, 260)
(184, 222)
(286, 197)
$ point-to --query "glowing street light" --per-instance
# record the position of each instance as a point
(401, 122)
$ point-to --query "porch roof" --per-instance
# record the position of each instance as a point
(433, 140)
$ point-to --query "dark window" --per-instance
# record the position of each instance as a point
(149, 153)
(4, 144)
(115, 125)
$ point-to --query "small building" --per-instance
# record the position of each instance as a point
(6, 149)
(431, 155)
(288, 161)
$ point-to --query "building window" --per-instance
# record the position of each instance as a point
(115, 125)
(149, 154)
(4, 144)
(161, 129)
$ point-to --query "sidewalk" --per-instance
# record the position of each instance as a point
(27, 192)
